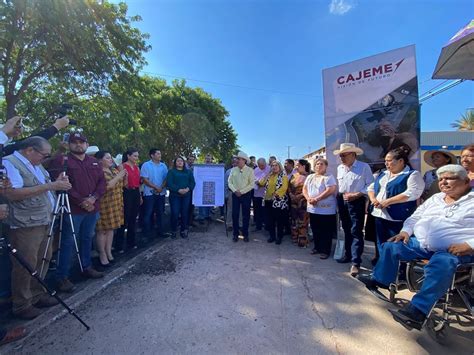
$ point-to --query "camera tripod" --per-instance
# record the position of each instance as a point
(61, 208)
(5, 245)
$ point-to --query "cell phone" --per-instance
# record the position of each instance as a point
(66, 137)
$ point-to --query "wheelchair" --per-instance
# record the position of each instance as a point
(458, 302)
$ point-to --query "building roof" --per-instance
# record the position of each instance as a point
(446, 139)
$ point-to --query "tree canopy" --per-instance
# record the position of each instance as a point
(88, 53)
(85, 43)
(466, 122)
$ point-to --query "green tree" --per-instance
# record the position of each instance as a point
(84, 43)
(466, 122)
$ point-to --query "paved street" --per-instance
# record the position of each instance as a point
(209, 295)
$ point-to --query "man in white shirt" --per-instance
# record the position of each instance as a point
(441, 230)
(353, 177)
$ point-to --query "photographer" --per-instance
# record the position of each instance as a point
(47, 133)
(31, 202)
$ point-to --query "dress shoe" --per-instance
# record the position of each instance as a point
(65, 285)
(13, 335)
(91, 273)
(370, 282)
(270, 240)
(278, 241)
(354, 270)
(409, 316)
(46, 301)
(235, 239)
(28, 313)
(344, 260)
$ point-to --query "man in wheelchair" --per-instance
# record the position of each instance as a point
(440, 230)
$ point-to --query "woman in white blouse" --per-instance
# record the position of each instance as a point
(393, 195)
(319, 189)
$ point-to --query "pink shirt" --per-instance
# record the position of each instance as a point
(260, 174)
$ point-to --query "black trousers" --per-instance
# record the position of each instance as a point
(324, 229)
(275, 219)
(131, 205)
(258, 212)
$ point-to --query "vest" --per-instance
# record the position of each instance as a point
(398, 211)
(32, 211)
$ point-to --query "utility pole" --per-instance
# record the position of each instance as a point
(289, 146)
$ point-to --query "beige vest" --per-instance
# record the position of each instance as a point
(33, 211)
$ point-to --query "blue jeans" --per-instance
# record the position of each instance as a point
(352, 215)
(204, 212)
(84, 227)
(385, 229)
(180, 208)
(244, 201)
(439, 271)
(154, 204)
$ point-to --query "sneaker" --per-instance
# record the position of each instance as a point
(91, 273)
(28, 313)
(46, 301)
(65, 285)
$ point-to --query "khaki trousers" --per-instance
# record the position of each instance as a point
(31, 244)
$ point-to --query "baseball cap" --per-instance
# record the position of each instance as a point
(77, 136)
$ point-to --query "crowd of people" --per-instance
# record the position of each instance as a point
(106, 198)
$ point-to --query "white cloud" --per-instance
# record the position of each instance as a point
(340, 7)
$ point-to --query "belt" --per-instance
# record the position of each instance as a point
(131, 188)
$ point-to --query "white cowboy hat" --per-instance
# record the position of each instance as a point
(348, 148)
(428, 156)
(242, 155)
(118, 159)
(91, 150)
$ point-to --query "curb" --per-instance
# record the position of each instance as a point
(76, 300)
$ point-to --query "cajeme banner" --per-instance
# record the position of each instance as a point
(373, 102)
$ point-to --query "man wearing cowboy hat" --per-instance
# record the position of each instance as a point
(353, 178)
(241, 182)
(436, 159)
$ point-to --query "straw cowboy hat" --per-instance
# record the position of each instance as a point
(348, 148)
(91, 150)
(428, 156)
(242, 155)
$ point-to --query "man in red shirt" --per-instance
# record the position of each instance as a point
(88, 186)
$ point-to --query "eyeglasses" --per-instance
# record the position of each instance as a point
(44, 155)
(343, 155)
(450, 210)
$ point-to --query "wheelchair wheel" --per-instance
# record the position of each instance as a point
(439, 330)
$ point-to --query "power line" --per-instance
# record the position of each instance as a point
(440, 90)
(234, 85)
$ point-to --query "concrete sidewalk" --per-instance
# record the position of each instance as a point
(209, 295)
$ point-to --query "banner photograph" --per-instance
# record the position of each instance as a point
(373, 103)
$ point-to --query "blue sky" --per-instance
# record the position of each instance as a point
(271, 54)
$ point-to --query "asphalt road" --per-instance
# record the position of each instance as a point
(208, 295)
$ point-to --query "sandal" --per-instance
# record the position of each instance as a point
(13, 335)
(314, 252)
(324, 256)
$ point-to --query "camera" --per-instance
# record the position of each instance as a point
(64, 109)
